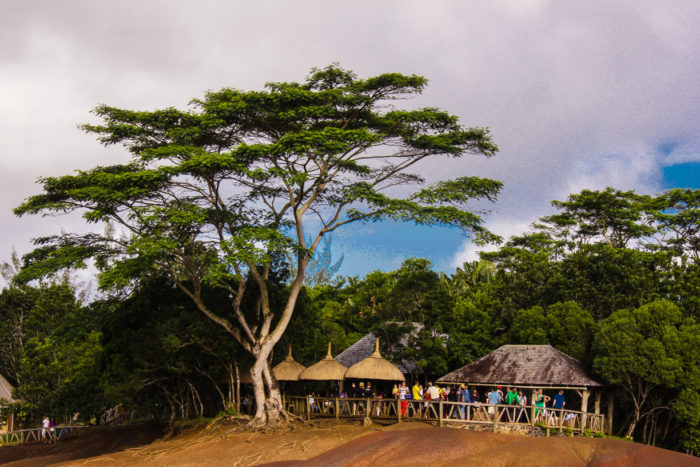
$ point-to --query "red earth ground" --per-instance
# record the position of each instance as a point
(338, 444)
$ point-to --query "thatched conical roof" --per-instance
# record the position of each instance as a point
(289, 369)
(375, 367)
(5, 390)
(328, 369)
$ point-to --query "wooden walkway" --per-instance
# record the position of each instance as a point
(444, 412)
(38, 435)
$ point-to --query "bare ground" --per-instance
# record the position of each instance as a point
(332, 443)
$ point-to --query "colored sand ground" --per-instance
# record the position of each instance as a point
(328, 443)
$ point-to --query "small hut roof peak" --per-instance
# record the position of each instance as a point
(5, 389)
(288, 369)
(375, 367)
(326, 369)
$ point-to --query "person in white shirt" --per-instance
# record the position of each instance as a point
(45, 429)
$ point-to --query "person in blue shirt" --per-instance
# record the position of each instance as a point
(559, 403)
(493, 398)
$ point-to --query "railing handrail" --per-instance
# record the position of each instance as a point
(448, 411)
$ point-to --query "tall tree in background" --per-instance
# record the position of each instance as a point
(216, 194)
(645, 351)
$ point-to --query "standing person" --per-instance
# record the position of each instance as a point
(476, 400)
(378, 405)
(403, 390)
(344, 405)
(361, 395)
(403, 397)
(416, 392)
(52, 428)
(558, 404)
(522, 401)
(434, 393)
(462, 396)
(352, 394)
(455, 396)
(511, 399)
(45, 429)
(369, 394)
(493, 398)
(395, 391)
(541, 404)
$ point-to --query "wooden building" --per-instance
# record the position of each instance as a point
(532, 367)
(6, 395)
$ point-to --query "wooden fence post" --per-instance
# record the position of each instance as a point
(609, 421)
(337, 408)
(584, 409)
(440, 412)
(398, 409)
(308, 408)
(495, 417)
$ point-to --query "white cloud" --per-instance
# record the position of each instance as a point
(577, 94)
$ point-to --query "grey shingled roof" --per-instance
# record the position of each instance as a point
(530, 365)
(365, 347)
(5, 389)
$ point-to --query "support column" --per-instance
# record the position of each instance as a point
(532, 410)
(609, 417)
(584, 409)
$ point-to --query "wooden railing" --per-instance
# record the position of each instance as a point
(444, 412)
(38, 435)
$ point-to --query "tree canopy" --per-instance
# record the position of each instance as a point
(218, 194)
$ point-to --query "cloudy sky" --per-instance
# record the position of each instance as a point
(576, 94)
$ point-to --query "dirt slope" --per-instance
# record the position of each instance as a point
(328, 443)
(448, 447)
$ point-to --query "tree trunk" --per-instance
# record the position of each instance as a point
(633, 424)
(273, 402)
(268, 410)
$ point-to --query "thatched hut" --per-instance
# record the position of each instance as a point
(6, 394)
(375, 367)
(328, 369)
(5, 390)
(289, 369)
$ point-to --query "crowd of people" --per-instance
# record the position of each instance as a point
(418, 402)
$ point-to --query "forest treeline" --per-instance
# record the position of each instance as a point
(612, 279)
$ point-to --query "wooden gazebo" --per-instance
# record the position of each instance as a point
(531, 367)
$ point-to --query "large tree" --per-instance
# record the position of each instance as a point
(215, 195)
